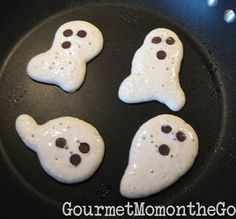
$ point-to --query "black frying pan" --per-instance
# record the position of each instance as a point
(208, 77)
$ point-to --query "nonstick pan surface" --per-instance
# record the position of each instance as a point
(207, 77)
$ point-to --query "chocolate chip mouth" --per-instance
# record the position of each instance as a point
(161, 54)
(66, 45)
(75, 159)
(164, 149)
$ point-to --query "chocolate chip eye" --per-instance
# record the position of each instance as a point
(170, 41)
(166, 129)
(66, 45)
(180, 136)
(164, 149)
(161, 54)
(60, 142)
(84, 148)
(68, 33)
(82, 33)
(75, 159)
(156, 40)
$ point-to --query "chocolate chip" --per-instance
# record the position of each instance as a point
(60, 142)
(66, 45)
(180, 136)
(156, 40)
(82, 33)
(166, 129)
(164, 149)
(75, 159)
(84, 148)
(170, 41)
(68, 33)
(161, 54)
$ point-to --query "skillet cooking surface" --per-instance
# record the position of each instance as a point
(206, 82)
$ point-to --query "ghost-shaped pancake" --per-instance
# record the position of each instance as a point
(163, 149)
(69, 150)
(64, 64)
(155, 71)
